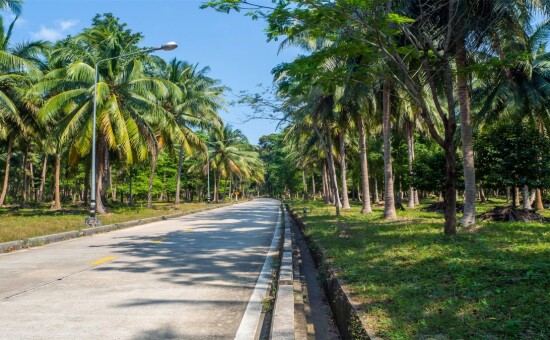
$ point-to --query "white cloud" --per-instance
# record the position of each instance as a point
(46, 33)
(56, 33)
(66, 24)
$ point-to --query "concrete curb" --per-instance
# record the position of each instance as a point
(46, 239)
(347, 312)
(283, 315)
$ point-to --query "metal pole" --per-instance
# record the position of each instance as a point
(92, 220)
(208, 173)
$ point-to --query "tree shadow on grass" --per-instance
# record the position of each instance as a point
(419, 283)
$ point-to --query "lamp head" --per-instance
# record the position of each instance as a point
(169, 46)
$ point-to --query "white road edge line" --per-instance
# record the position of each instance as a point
(249, 323)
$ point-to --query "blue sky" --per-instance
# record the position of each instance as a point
(232, 45)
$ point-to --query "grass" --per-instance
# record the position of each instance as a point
(18, 224)
(490, 282)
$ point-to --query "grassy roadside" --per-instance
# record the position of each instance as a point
(25, 223)
(492, 282)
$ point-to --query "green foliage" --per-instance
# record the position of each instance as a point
(513, 154)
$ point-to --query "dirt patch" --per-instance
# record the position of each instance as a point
(439, 207)
(508, 214)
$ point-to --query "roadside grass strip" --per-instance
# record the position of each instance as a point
(413, 282)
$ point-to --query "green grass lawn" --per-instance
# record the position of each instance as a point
(17, 224)
(490, 282)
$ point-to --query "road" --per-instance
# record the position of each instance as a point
(186, 278)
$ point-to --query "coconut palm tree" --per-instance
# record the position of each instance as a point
(19, 68)
(197, 108)
(129, 99)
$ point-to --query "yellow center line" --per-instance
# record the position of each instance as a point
(103, 260)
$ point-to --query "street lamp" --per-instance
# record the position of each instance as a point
(92, 220)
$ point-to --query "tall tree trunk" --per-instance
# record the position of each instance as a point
(43, 179)
(151, 179)
(376, 193)
(516, 197)
(25, 177)
(389, 201)
(538, 200)
(7, 173)
(365, 190)
(216, 187)
(178, 178)
(409, 132)
(304, 183)
(327, 148)
(450, 187)
(533, 196)
(508, 195)
(332, 175)
(466, 134)
(343, 172)
(57, 195)
(525, 196)
(32, 191)
(313, 192)
(325, 183)
(111, 185)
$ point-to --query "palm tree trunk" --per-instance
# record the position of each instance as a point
(389, 203)
(466, 134)
(313, 192)
(325, 184)
(525, 196)
(43, 179)
(7, 173)
(304, 183)
(409, 131)
(327, 148)
(56, 193)
(538, 200)
(113, 187)
(25, 177)
(343, 174)
(533, 196)
(376, 193)
(178, 178)
(151, 179)
(516, 197)
(332, 174)
(365, 189)
(32, 190)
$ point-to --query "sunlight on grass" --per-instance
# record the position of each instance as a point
(414, 282)
(25, 223)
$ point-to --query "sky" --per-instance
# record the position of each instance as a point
(232, 45)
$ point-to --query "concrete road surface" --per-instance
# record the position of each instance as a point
(186, 278)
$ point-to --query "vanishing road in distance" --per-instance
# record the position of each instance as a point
(186, 278)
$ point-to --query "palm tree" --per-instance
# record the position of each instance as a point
(129, 100)
(19, 68)
(197, 108)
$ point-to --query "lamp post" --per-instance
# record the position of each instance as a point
(92, 220)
